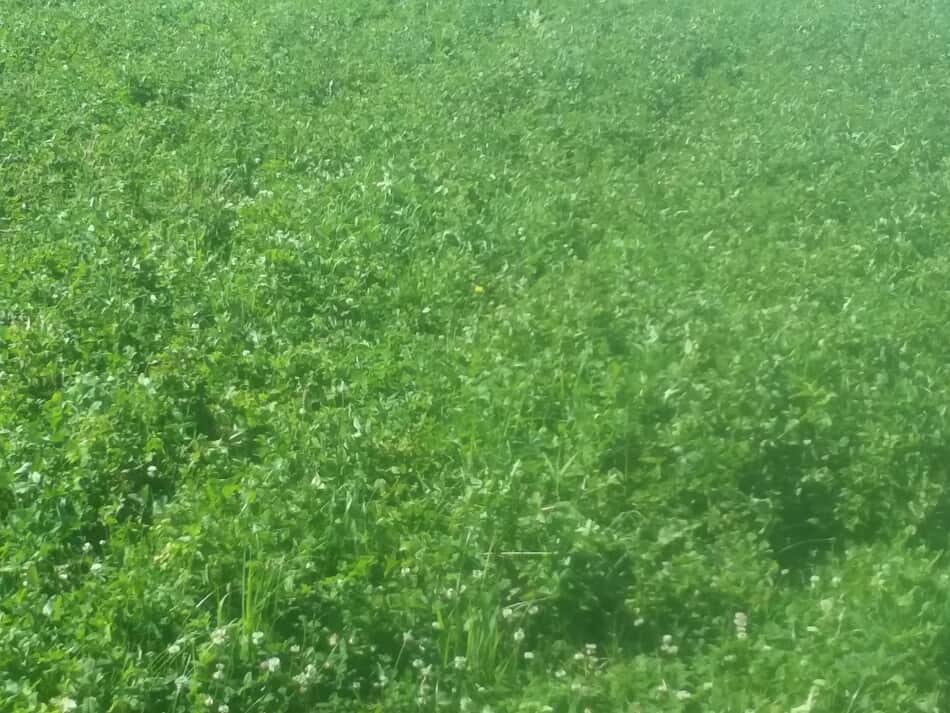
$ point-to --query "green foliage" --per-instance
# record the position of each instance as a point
(477, 356)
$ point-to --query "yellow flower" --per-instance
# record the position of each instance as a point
(479, 289)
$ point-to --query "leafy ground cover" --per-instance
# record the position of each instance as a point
(474, 356)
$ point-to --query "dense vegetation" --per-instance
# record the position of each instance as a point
(474, 356)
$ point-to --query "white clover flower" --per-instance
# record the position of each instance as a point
(271, 665)
(418, 663)
(224, 708)
(519, 635)
(507, 613)
(257, 637)
(219, 636)
(174, 649)
(87, 547)
(459, 663)
(591, 649)
(181, 682)
(533, 609)
(683, 695)
(67, 704)
(528, 655)
(740, 620)
(208, 701)
(218, 675)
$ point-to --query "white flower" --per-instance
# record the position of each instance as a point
(272, 664)
(591, 649)
(224, 708)
(740, 620)
(67, 704)
(219, 636)
(683, 695)
(181, 682)
(257, 637)
(528, 655)
(519, 635)
(459, 663)
(174, 649)
(87, 547)
(295, 649)
(209, 701)
(507, 612)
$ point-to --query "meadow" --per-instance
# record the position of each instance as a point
(486, 356)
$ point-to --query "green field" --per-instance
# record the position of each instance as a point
(486, 356)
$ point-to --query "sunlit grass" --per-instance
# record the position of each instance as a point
(381, 356)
